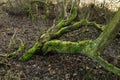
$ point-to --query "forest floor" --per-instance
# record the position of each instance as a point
(52, 66)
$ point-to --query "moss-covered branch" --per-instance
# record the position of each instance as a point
(106, 65)
(31, 51)
(73, 27)
(65, 46)
(94, 24)
(64, 23)
(63, 30)
(109, 33)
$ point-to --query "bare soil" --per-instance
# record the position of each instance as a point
(51, 66)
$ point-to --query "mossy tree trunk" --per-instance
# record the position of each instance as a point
(106, 37)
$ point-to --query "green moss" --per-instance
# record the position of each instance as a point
(30, 52)
(109, 33)
(64, 23)
(106, 65)
(72, 17)
(65, 46)
(22, 46)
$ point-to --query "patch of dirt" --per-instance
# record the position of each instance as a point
(52, 66)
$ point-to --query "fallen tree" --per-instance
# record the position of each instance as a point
(47, 42)
(92, 48)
